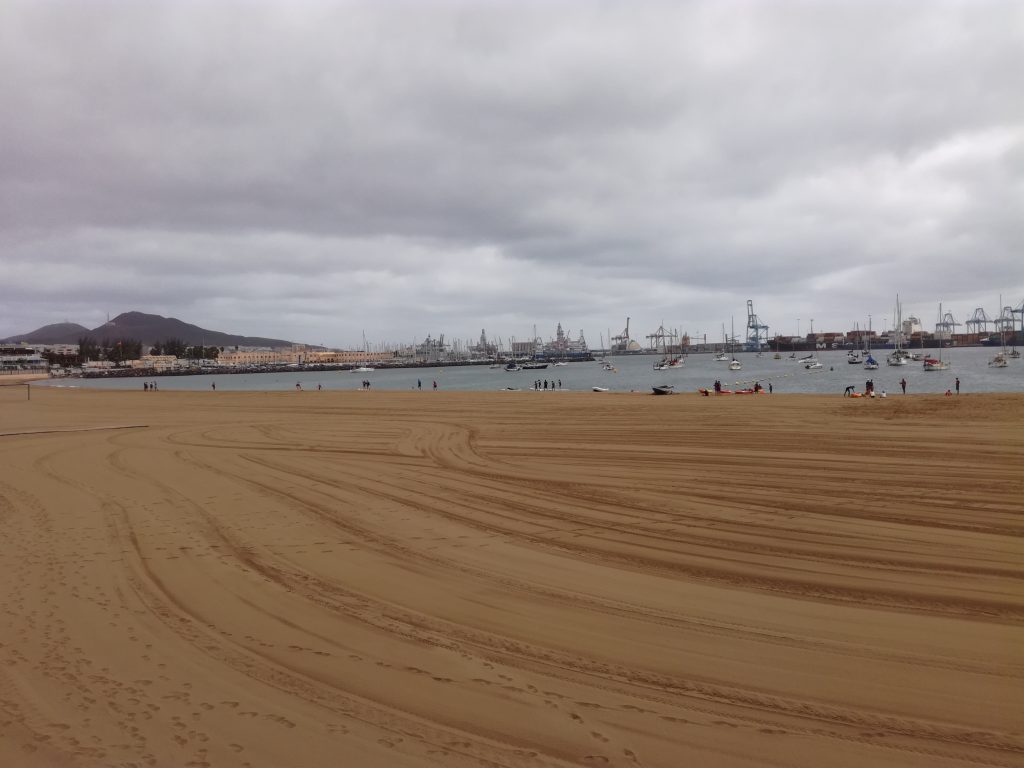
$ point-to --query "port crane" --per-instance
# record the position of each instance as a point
(757, 332)
(979, 322)
(622, 340)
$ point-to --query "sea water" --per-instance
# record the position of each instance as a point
(633, 373)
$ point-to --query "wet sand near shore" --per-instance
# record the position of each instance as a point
(510, 579)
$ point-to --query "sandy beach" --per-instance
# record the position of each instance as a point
(509, 579)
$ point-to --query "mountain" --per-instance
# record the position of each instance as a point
(57, 333)
(149, 329)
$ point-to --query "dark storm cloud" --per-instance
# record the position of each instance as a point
(438, 167)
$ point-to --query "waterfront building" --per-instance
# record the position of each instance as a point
(15, 358)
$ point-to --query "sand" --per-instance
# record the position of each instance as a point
(509, 579)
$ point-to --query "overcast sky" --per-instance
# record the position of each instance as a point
(311, 170)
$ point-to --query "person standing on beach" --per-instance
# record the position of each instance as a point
(435, 386)
(298, 386)
(419, 384)
(145, 386)
(958, 385)
(213, 385)
(770, 387)
(903, 384)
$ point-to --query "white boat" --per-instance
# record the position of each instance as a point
(853, 357)
(721, 357)
(734, 364)
(933, 363)
(363, 369)
(1000, 360)
(600, 389)
(813, 365)
(668, 362)
(899, 356)
(608, 367)
(559, 364)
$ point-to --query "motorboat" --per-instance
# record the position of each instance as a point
(812, 365)
(559, 364)
(664, 389)
(512, 367)
(608, 367)
(363, 369)
(534, 366)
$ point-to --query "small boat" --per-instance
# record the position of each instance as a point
(534, 366)
(899, 357)
(664, 389)
(559, 363)
(362, 369)
(999, 361)
(812, 365)
(853, 358)
(937, 364)
(735, 365)
(512, 367)
(1014, 353)
(608, 367)
(600, 389)
(870, 364)
(721, 357)
(511, 389)
(677, 363)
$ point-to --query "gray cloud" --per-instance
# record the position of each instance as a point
(311, 170)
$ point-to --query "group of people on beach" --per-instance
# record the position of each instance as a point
(869, 388)
(149, 386)
(538, 384)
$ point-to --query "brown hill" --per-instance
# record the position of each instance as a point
(149, 329)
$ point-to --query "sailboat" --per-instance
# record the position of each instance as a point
(937, 364)
(898, 356)
(870, 364)
(735, 364)
(365, 367)
(1000, 361)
